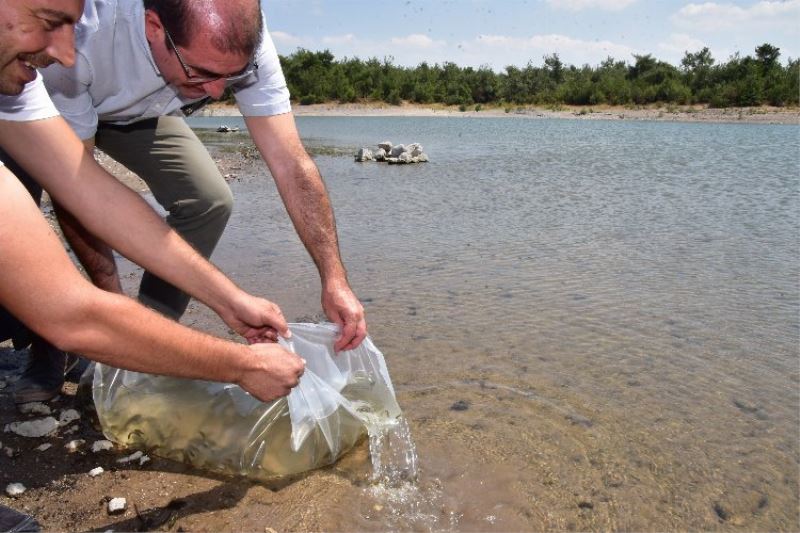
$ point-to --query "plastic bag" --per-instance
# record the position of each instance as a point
(220, 427)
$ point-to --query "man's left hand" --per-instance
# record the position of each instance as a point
(256, 319)
(343, 308)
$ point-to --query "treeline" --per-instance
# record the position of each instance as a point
(317, 77)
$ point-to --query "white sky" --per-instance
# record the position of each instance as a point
(513, 32)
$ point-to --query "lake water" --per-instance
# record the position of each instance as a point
(589, 324)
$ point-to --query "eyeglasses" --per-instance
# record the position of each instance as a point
(207, 77)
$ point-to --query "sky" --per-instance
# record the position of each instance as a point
(498, 33)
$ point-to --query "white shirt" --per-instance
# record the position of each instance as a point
(115, 78)
(31, 104)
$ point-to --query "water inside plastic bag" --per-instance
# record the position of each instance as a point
(219, 427)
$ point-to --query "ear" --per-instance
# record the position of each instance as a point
(153, 29)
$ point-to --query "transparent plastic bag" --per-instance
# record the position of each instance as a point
(220, 427)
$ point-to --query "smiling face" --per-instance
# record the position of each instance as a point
(35, 33)
(200, 59)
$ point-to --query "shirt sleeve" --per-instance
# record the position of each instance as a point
(264, 93)
(31, 104)
(69, 89)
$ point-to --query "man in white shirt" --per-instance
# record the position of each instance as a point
(34, 266)
(138, 64)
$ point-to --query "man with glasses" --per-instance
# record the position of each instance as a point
(139, 66)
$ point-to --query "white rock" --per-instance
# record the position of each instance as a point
(405, 157)
(102, 445)
(94, 472)
(144, 459)
(386, 146)
(74, 445)
(413, 147)
(15, 489)
(364, 154)
(117, 505)
(35, 408)
(44, 447)
(422, 158)
(132, 457)
(397, 150)
(33, 428)
(380, 155)
(70, 415)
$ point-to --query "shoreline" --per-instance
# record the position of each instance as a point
(666, 113)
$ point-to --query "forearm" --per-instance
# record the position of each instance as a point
(107, 327)
(111, 211)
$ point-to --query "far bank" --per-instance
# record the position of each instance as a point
(667, 112)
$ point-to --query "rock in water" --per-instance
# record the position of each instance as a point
(364, 154)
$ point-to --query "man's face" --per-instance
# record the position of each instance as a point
(35, 33)
(200, 60)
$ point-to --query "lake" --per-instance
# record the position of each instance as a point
(589, 324)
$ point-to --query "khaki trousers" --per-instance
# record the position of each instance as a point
(184, 179)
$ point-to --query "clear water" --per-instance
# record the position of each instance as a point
(590, 325)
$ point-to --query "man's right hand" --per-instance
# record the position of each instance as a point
(275, 372)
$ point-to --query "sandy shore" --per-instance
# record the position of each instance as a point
(666, 113)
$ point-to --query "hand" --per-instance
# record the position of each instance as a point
(276, 371)
(343, 308)
(256, 319)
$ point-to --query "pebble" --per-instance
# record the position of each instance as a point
(35, 408)
(144, 459)
(102, 445)
(70, 415)
(132, 457)
(33, 428)
(94, 472)
(15, 489)
(44, 447)
(9, 451)
(460, 405)
(74, 445)
(117, 505)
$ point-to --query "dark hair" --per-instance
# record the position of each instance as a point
(242, 27)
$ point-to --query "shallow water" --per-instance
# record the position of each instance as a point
(589, 325)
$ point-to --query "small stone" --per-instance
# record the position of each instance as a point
(44, 447)
(132, 457)
(33, 428)
(10, 452)
(460, 405)
(229, 177)
(15, 489)
(94, 472)
(117, 505)
(143, 459)
(70, 415)
(34, 408)
(71, 430)
(74, 445)
(102, 446)
(378, 507)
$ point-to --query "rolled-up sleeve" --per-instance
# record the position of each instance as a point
(69, 89)
(264, 93)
